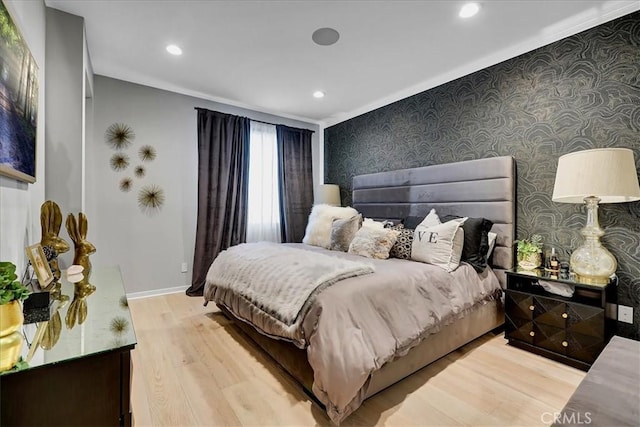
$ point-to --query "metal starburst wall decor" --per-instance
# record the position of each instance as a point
(119, 162)
(125, 185)
(119, 136)
(147, 153)
(150, 198)
(139, 171)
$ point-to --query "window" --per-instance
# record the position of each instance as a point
(263, 209)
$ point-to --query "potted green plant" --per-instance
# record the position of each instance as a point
(12, 292)
(530, 252)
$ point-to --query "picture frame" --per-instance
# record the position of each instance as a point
(19, 107)
(39, 264)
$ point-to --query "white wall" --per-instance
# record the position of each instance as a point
(150, 249)
(20, 202)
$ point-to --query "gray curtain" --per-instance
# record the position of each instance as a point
(295, 181)
(223, 171)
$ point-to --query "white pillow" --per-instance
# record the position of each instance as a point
(368, 222)
(440, 244)
(373, 242)
(431, 219)
(492, 243)
(318, 231)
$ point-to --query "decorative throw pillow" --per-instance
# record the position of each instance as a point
(318, 231)
(402, 247)
(476, 241)
(368, 222)
(373, 243)
(430, 220)
(492, 244)
(439, 245)
(343, 231)
(386, 223)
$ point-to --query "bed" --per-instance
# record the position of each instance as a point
(475, 188)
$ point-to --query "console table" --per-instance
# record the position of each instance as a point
(79, 375)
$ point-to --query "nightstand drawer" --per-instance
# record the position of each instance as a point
(567, 343)
(519, 305)
(566, 328)
(548, 311)
(558, 340)
(550, 337)
(517, 328)
(583, 347)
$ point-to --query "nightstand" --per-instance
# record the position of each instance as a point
(571, 330)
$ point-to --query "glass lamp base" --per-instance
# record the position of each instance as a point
(592, 262)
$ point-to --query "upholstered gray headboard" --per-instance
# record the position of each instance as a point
(475, 188)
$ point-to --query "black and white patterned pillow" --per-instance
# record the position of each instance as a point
(402, 248)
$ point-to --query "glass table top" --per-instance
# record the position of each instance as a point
(570, 279)
(82, 322)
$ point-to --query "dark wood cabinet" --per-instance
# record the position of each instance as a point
(89, 391)
(573, 330)
(80, 375)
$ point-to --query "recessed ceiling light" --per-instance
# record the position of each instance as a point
(468, 10)
(174, 50)
(318, 94)
(325, 36)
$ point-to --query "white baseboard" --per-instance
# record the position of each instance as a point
(156, 292)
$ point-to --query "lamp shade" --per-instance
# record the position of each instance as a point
(606, 173)
(328, 194)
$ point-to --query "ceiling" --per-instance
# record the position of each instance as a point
(259, 54)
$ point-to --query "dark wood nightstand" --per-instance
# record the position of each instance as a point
(572, 330)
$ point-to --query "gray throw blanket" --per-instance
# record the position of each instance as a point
(279, 279)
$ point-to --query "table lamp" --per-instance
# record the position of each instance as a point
(603, 175)
(328, 194)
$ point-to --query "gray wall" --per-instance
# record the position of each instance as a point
(150, 248)
(65, 109)
(20, 202)
(578, 93)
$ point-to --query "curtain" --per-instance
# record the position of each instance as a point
(296, 181)
(223, 168)
(263, 208)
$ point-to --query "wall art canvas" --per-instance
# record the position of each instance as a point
(18, 102)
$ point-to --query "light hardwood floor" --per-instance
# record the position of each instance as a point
(192, 366)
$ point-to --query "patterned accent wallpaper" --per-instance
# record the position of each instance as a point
(578, 93)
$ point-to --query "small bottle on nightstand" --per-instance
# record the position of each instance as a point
(554, 263)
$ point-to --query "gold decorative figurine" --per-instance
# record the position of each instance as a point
(78, 309)
(82, 289)
(53, 327)
(78, 233)
(51, 220)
